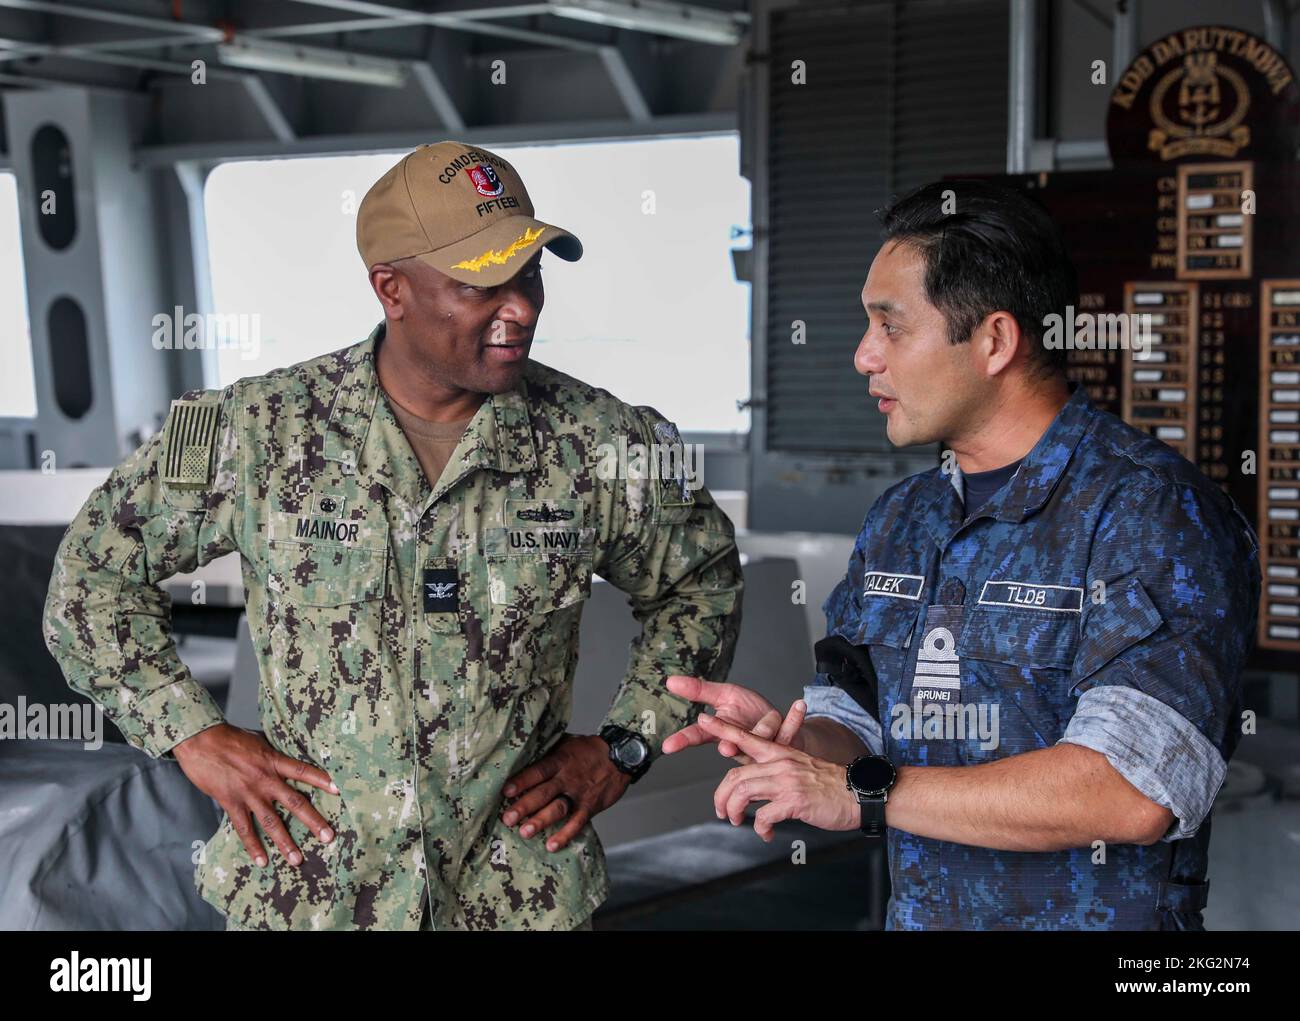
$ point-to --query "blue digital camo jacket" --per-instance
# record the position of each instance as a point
(1105, 596)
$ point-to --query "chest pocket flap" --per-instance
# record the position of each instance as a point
(326, 563)
(538, 570)
(884, 621)
(1022, 637)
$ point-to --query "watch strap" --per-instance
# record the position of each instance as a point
(873, 817)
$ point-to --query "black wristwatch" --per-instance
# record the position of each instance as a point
(627, 750)
(871, 778)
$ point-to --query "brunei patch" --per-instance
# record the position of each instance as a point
(191, 433)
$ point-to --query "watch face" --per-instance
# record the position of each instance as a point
(632, 752)
(872, 774)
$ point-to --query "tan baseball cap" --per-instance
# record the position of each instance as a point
(460, 209)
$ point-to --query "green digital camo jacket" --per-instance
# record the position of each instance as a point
(418, 644)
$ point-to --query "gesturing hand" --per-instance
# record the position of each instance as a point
(794, 784)
(739, 705)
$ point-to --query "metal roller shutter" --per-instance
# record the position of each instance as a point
(897, 94)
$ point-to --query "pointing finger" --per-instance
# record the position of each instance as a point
(698, 690)
(687, 737)
(756, 747)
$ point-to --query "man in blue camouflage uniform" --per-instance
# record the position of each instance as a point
(1055, 625)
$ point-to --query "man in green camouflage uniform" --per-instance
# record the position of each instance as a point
(416, 637)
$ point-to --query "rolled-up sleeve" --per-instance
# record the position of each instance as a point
(835, 704)
(1154, 748)
(843, 610)
(1173, 596)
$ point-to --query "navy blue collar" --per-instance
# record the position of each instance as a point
(1040, 471)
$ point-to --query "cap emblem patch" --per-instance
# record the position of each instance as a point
(486, 182)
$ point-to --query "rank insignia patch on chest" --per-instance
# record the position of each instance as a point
(937, 677)
(440, 590)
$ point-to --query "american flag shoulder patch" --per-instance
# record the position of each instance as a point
(191, 433)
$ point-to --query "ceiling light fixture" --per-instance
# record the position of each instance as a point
(312, 62)
(682, 21)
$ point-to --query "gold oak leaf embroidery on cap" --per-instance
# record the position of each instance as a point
(494, 258)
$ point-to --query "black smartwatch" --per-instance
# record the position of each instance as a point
(871, 778)
(627, 750)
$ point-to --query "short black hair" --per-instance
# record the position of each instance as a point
(988, 248)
